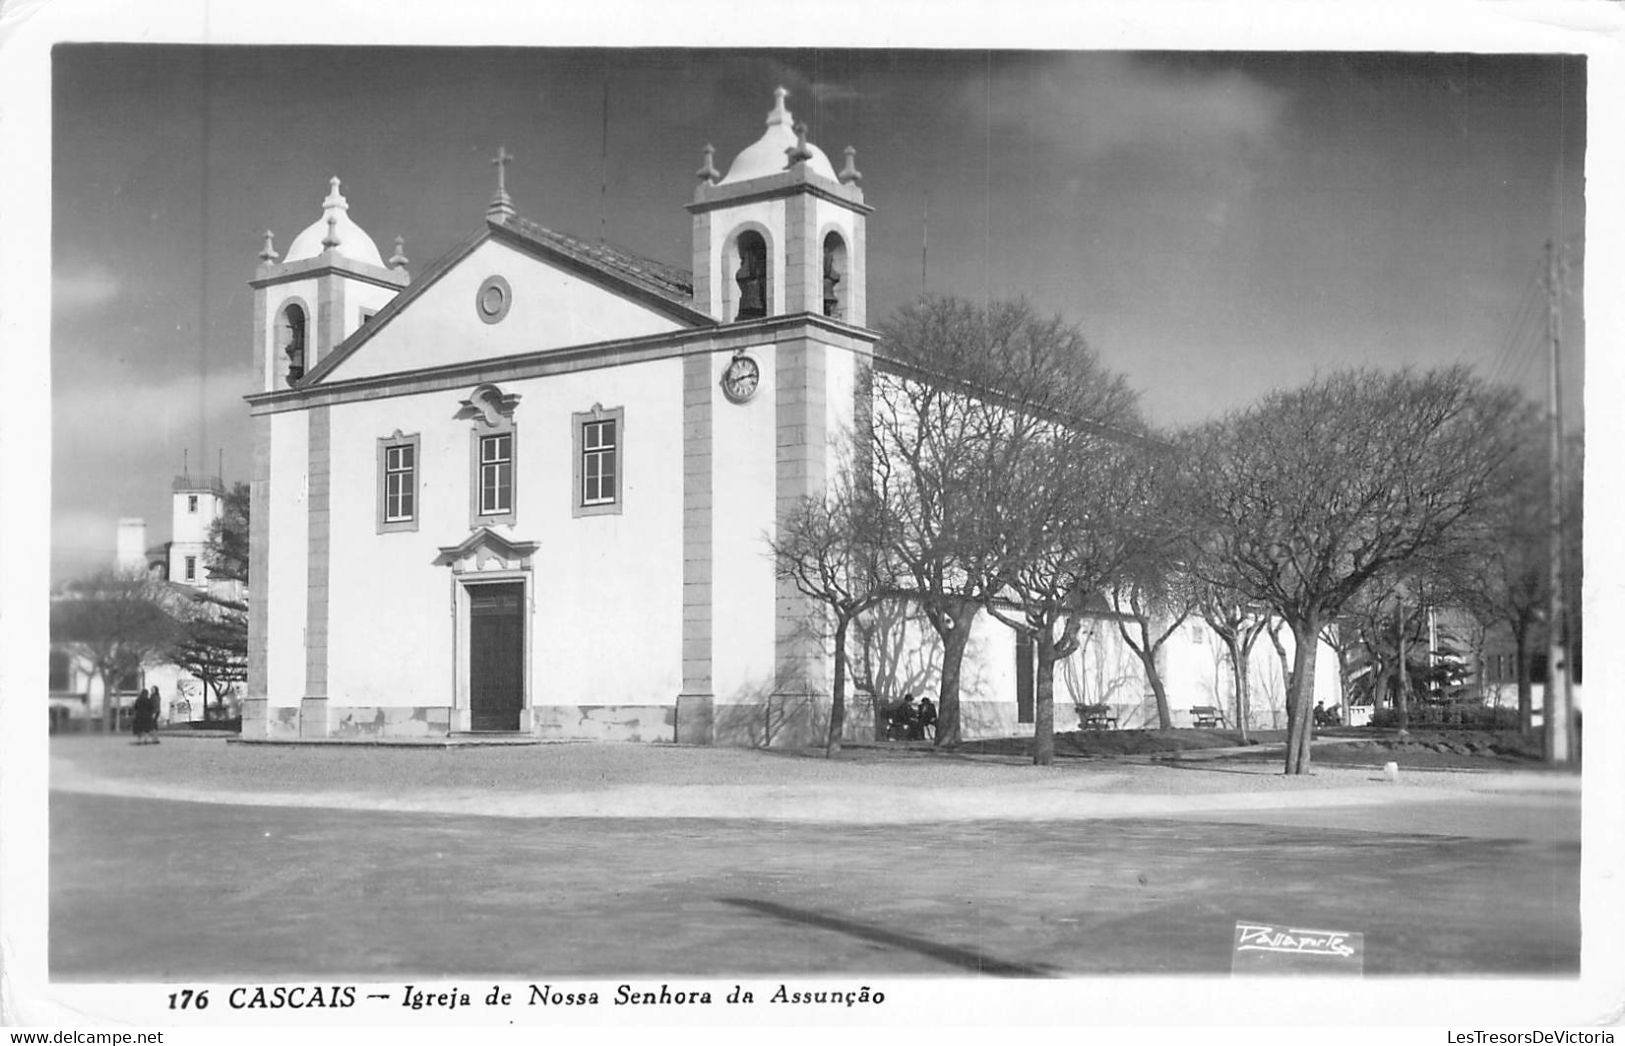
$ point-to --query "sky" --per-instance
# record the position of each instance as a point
(1218, 223)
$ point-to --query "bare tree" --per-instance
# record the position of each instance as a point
(834, 550)
(962, 393)
(1238, 627)
(1067, 534)
(1149, 613)
(1309, 494)
(116, 622)
(1508, 548)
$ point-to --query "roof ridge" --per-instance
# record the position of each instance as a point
(670, 280)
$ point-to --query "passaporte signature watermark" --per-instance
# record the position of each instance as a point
(1257, 938)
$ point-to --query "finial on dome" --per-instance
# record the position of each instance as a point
(331, 240)
(799, 152)
(268, 253)
(850, 173)
(708, 170)
(501, 205)
(334, 197)
(399, 260)
(779, 115)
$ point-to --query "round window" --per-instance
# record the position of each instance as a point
(493, 299)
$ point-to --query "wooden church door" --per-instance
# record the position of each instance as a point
(496, 655)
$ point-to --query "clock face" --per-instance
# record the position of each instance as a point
(740, 379)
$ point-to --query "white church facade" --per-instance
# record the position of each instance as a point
(528, 489)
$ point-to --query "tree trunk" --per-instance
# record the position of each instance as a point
(1165, 718)
(109, 704)
(1238, 673)
(1344, 684)
(1526, 695)
(1146, 651)
(1300, 700)
(837, 698)
(954, 641)
(1402, 678)
(1044, 698)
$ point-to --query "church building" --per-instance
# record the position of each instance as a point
(528, 489)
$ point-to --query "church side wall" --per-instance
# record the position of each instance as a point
(744, 463)
(286, 573)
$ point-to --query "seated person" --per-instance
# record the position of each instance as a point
(901, 723)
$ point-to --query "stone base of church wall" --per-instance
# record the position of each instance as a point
(273, 723)
(781, 721)
(604, 722)
(254, 714)
(696, 719)
(313, 717)
(373, 721)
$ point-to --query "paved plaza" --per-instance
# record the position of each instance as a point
(591, 860)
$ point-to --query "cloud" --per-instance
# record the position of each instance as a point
(83, 287)
(1093, 106)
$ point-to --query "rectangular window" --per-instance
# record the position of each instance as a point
(191, 504)
(398, 458)
(600, 462)
(400, 493)
(191, 568)
(496, 475)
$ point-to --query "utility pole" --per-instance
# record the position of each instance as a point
(1555, 708)
(925, 233)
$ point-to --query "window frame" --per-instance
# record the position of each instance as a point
(477, 436)
(579, 505)
(397, 441)
(189, 567)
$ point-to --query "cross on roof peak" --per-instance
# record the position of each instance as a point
(501, 204)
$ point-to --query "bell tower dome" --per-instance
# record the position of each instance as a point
(782, 232)
(331, 281)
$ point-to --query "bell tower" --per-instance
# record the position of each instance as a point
(782, 232)
(330, 282)
(779, 262)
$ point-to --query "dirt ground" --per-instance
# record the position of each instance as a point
(1422, 747)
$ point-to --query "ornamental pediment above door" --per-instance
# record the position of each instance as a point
(485, 550)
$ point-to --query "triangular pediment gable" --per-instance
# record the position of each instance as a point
(485, 549)
(513, 290)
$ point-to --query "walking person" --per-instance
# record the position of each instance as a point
(138, 717)
(154, 706)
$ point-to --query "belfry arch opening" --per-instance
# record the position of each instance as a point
(836, 281)
(750, 275)
(291, 342)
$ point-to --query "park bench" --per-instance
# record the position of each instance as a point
(1206, 716)
(1096, 717)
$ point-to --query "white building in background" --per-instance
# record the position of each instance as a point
(527, 490)
(77, 691)
(197, 502)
